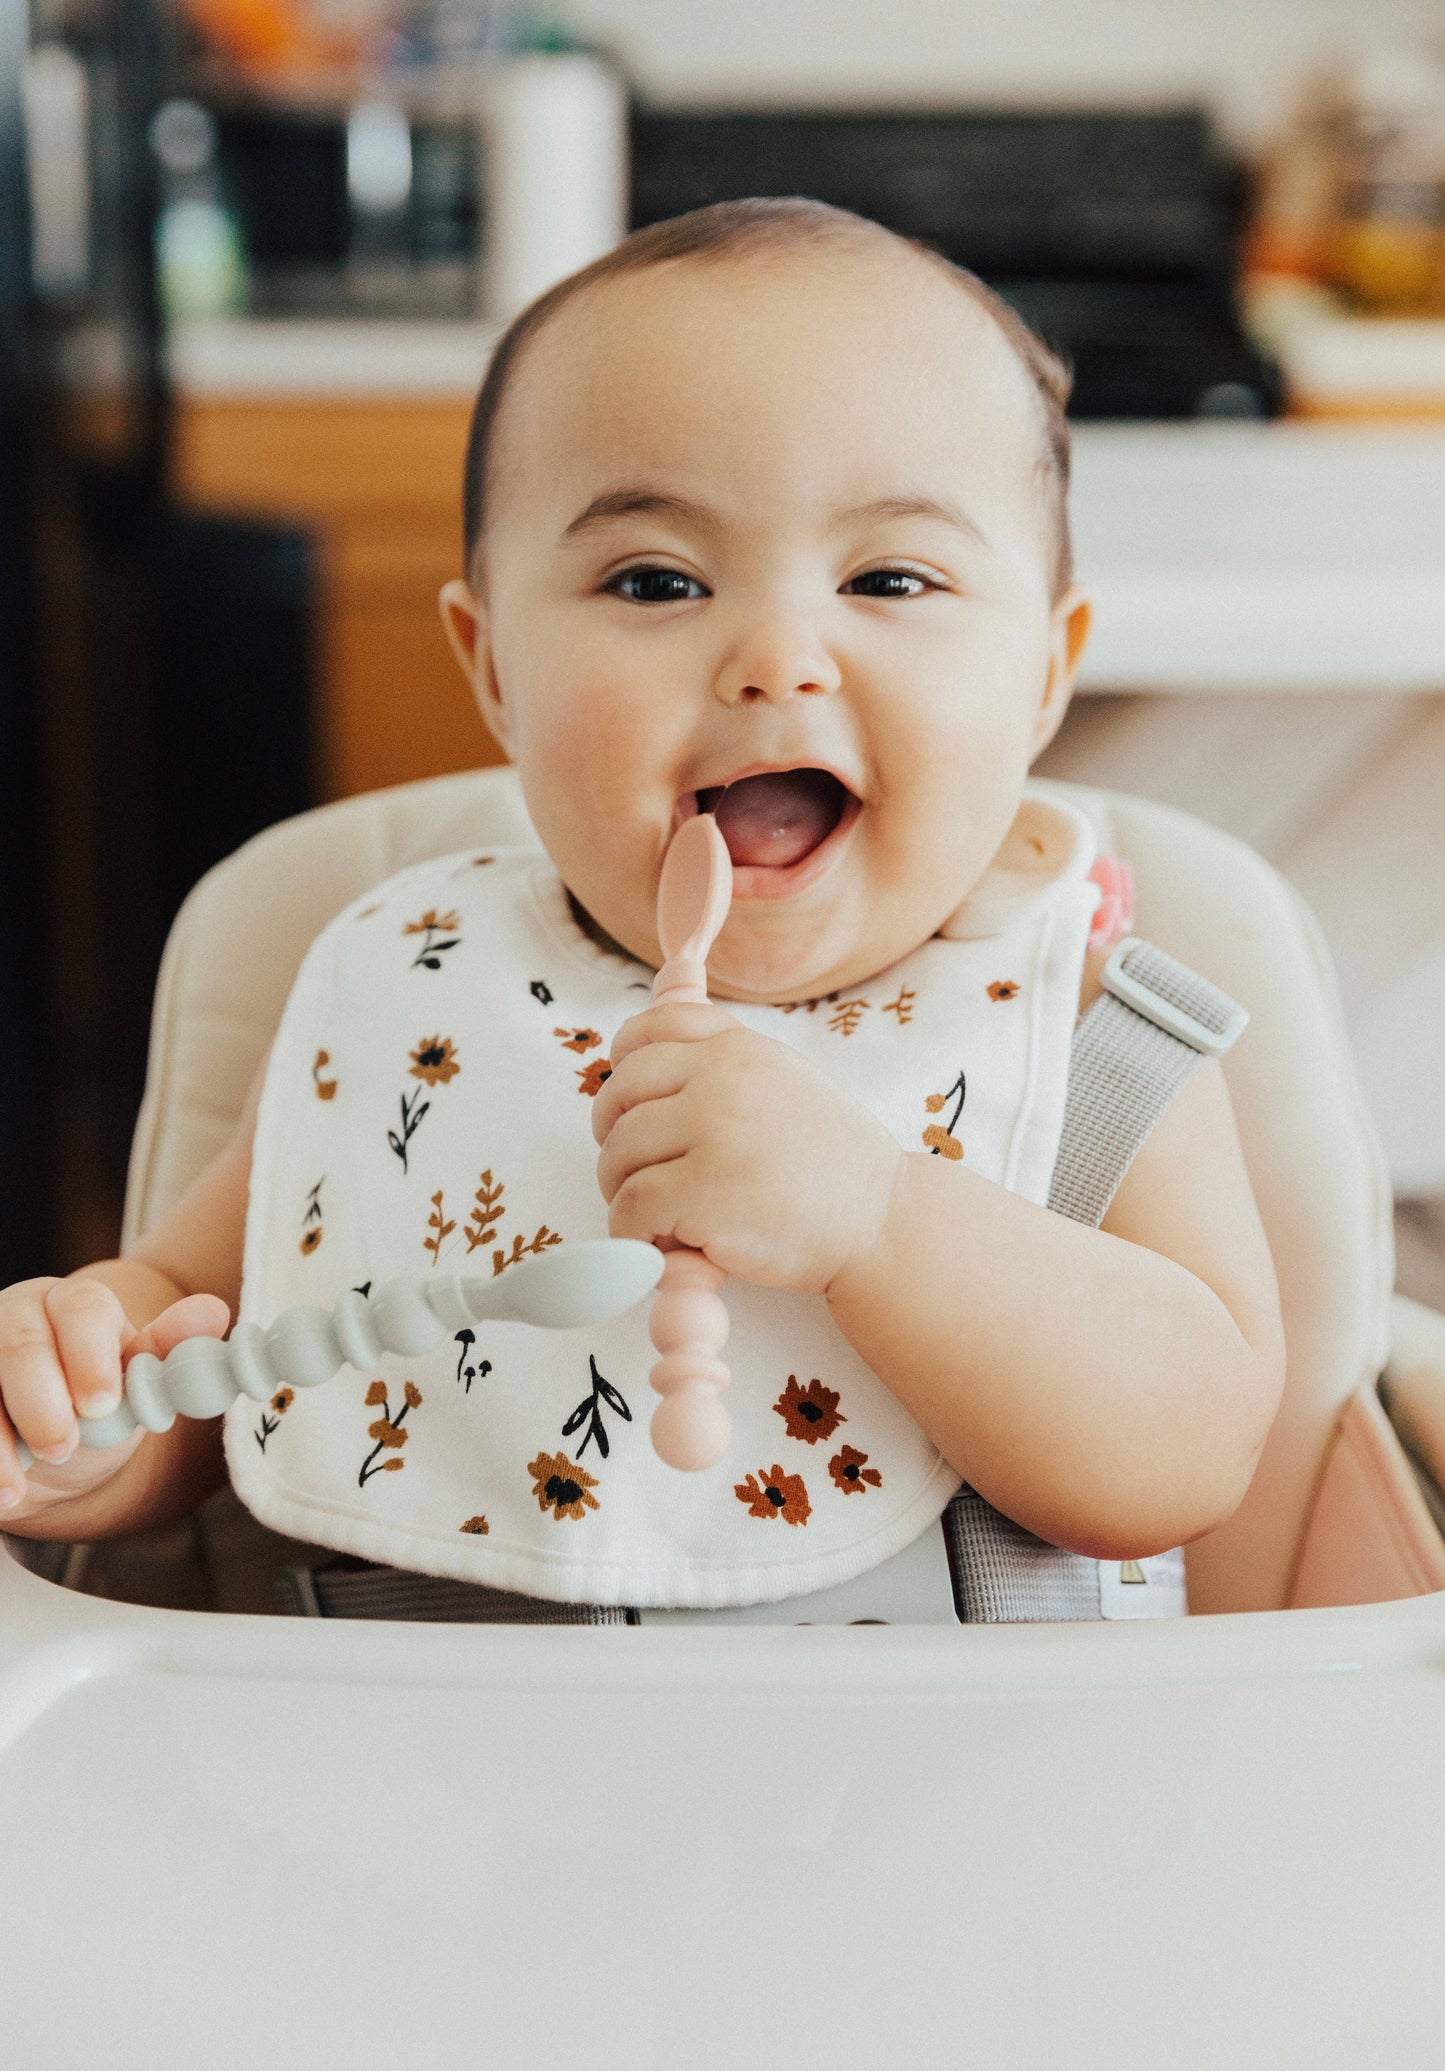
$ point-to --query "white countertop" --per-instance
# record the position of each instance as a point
(1220, 556)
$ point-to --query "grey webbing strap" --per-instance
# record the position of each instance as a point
(356, 1590)
(1150, 1029)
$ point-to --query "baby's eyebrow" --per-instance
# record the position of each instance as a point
(634, 503)
(915, 507)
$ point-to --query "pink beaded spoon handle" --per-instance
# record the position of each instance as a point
(689, 1325)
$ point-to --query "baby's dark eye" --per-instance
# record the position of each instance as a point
(888, 582)
(656, 586)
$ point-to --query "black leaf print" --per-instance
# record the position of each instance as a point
(541, 992)
(589, 1412)
(411, 1119)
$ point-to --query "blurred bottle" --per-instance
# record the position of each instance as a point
(1389, 246)
(1299, 196)
(555, 176)
(200, 255)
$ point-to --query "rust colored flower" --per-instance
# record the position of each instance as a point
(282, 1400)
(938, 1139)
(388, 1434)
(579, 1039)
(560, 1487)
(1003, 989)
(325, 1088)
(935, 1103)
(594, 1077)
(810, 1413)
(432, 919)
(375, 1393)
(391, 1466)
(771, 1493)
(435, 1060)
(412, 1394)
(478, 1526)
(851, 1472)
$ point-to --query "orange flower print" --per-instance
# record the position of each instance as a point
(325, 1088)
(594, 1077)
(1003, 989)
(386, 1430)
(439, 934)
(938, 1136)
(560, 1487)
(851, 1472)
(310, 1239)
(771, 1493)
(478, 1526)
(433, 922)
(435, 1060)
(809, 1413)
(280, 1402)
(579, 1039)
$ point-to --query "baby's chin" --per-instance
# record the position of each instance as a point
(802, 962)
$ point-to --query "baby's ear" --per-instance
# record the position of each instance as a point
(1068, 632)
(465, 624)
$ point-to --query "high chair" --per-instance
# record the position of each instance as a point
(1212, 1841)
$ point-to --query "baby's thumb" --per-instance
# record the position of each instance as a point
(193, 1316)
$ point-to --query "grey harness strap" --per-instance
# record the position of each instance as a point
(1150, 1029)
(1153, 1025)
(349, 1588)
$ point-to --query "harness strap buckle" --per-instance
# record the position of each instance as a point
(1174, 998)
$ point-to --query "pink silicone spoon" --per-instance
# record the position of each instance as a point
(690, 1427)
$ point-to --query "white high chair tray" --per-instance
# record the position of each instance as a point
(248, 1842)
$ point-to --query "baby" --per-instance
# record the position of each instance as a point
(765, 513)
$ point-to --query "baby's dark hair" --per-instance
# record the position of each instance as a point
(743, 229)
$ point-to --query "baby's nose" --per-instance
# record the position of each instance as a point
(773, 666)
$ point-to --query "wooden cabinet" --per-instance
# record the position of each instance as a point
(378, 483)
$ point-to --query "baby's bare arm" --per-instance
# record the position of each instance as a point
(1108, 1389)
(63, 1343)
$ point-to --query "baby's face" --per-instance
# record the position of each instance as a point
(762, 516)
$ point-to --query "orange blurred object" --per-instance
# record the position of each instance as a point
(269, 36)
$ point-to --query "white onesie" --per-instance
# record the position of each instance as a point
(427, 1107)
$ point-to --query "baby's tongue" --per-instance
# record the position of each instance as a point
(777, 819)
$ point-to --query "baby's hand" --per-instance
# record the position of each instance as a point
(63, 1346)
(733, 1144)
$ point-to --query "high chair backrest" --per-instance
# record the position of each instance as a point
(1317, 1173)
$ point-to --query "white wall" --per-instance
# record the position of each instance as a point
(1240, 55)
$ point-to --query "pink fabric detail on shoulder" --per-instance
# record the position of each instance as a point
(1114, 914)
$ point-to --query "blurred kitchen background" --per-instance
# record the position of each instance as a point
(252, 253)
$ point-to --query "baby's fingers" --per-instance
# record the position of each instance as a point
(652, 1074)
(679, 1021)
(193, 1316)
(32, 1382)
(91, 1330)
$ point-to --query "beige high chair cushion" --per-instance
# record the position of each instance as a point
(1317, 1172)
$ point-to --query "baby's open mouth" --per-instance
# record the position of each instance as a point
(773, 821)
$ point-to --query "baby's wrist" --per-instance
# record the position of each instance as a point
(867, 1246)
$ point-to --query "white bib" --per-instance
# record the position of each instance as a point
(428, 1107)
